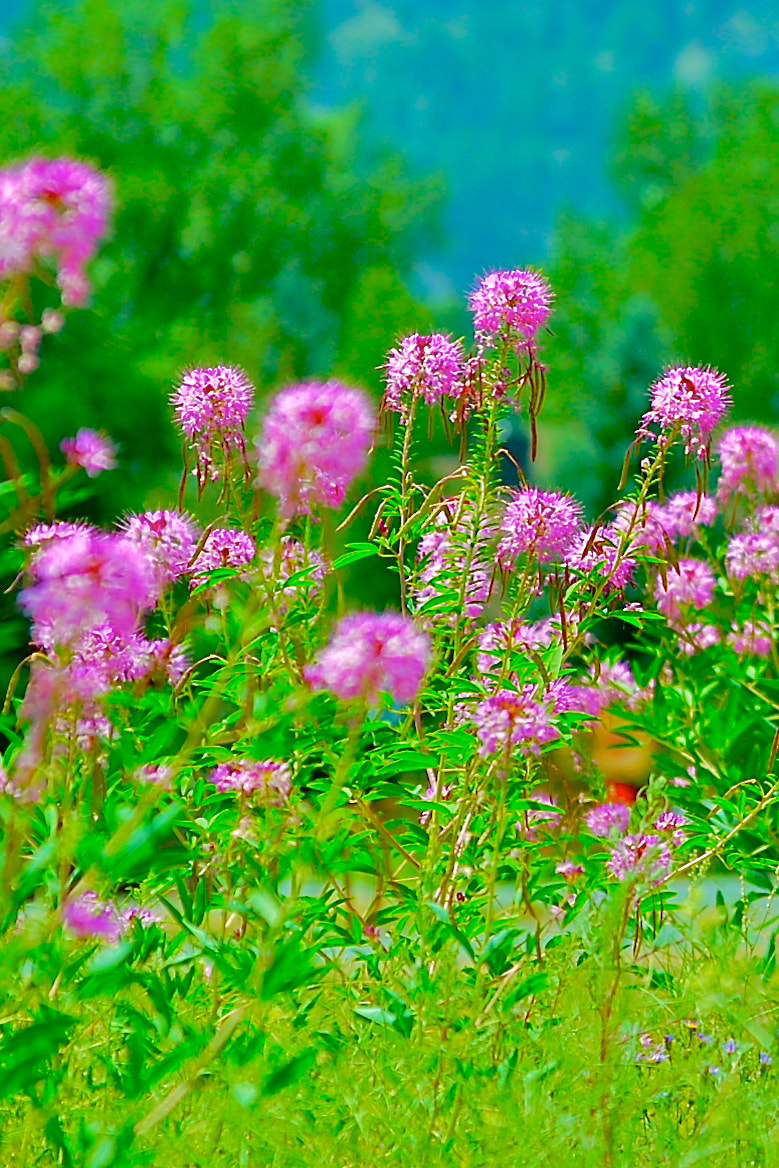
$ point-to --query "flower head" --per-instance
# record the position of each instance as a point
(314, 441)
(608, 819)
(690, 584)
(211, 407)
(430, 367)
(749, 459)
(372, 653)
(752, 639)
(510, 722)
(246, 775)
(225, 547)
(168, 538)
(598, 550)
(692, 400)
(683, 513)
(511, 303)
(86, 916)
(641, 856)
(93, 451)
(540, 523)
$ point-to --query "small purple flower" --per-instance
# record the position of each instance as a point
(211, 407)
(431, 367)
(246, 775)
(749, 457)
(314, 441)
(643, 856)
(224, 548)
(753, 639)
(168, 538)
(514, 723)
(730, 1046)
(672, 824)
(765, 1058)
(608, 819)
(86, 916)
(540, 523)
(90, 449)
(372, 653)
(689, 584)
(569, 870)
(599, 550)
(692, 401)
(515, 304)
(682, 514)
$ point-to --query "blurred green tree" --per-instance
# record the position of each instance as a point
(693, 279)
(244, 232)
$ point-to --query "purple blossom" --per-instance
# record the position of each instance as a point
(314, 441)
(93, 451)
(696, 636)
(535, 819)
(54, 208)
(431, 367)
(540, 523)
(688, 584)
(168, 538)
(682, 514)
(672, 824)
(608, 819)
(511, 722)
(692, 401)
(84, 580)
(224, 547)
(86, 916)
(211, 407)
(293, 558)
(443, 554)
(646, 857)
(372, 653)
(749, 457)
(511, 303)
(752, 639)
(598, 550)
(569, 870)
(247, 775)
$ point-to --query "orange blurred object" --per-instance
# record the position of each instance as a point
(621, 793)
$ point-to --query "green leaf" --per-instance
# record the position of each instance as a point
(360, 551)
(289, 1073)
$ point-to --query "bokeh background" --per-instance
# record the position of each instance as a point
(299, 183)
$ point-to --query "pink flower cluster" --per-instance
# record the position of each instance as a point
(168, 540)
(688, 584)
(753, 639)
(314, 441)
(247, 775)
(642, 857)
(688, 401)
(93, 451)
(52, 209)
(211, 407)
(749, 462)
(514, 304)
(513, 722)
(598, 551)
(370, 654)
(543, 524)
(608, 820)
(224, 547)
(755, 552)
(431, 367)
(294, 558)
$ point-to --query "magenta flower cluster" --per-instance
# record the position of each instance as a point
(749, 462)
(211, 407)
(690, 401)
(511, 722)
(431, 367)
(314, 441)
(246, 776)
(513, 304)
(372, 654)
(53, 209)
(90, 449)
(539, 523)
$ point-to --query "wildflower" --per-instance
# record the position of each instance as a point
(159, 774)
(569, 870)
(608, 819)
(598, 550)
(691, 401)
(41, 533)
(640, 856)
(642, 524)
(246, 775)
(211, 407)
(53, 208)
(83, 580)
(168, 538)
(689, 584)
(696, 637)
(93, 451)
(765, 1058)
(372, 653)
(453, 544)
(314, 442)
(683, 513)
(730, 1046)
(672, 824)
(430, 367)
(224, 548)
(752, 639)
(509, 722)
(86, 916)
(748, 457)
(515, 304)
(540, 523)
